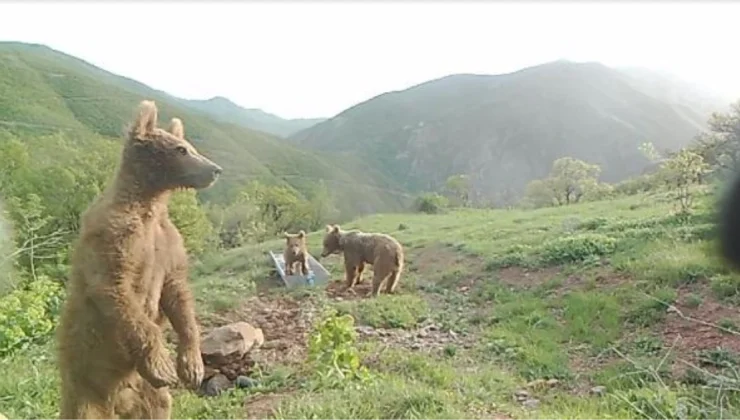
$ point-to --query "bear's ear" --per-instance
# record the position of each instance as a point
(336, 229)
(329, 228)
(301, 234)
(146, 119)
(176, 128)
(286, 235)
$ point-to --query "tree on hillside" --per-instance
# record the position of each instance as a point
(457, 188)
(540, 193)
(681, 173)
(259, 212)
(569, 181)
(321, 206)
(572, 178)
(15, 159)
(237, 223)
(649, 151)
(720, 146)
(279, 207)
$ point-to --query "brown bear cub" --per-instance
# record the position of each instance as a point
(128, 275)
(381, 251)
(295, 252)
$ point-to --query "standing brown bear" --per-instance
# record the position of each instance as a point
(381, 251)
(295, 252)
(129, 272)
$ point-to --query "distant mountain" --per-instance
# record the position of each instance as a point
(502, 130)
(671, 89)
(506, 130)
(224, 110)
(44, 91)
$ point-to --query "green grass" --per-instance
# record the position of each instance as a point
(585, 301)
(404, 311)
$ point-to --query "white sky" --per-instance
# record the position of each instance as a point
(315, 59)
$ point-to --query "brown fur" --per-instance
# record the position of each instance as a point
(129, 274)
(296, 251)
(381, 251)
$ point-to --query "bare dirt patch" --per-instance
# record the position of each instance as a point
(435, 262)
(603, 278)
(428, 260)
(524, 277)
(429, 337)
(687, 327)
(285, 323)
(337, 289)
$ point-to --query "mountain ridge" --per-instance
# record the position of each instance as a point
(506, 130)
(44, 89)
(226, 110)
(503, 130)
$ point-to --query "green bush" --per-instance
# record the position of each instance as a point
(191, 220)
(577, 248)
(515, 255)
(593, 224)
(637, 185)
(431, 203)
(29, 315)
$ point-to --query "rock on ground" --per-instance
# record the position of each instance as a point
(233, 339)
(226, 355)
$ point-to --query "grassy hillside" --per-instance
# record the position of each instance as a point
(506, 130)
(612, 309)
(43, 91)
(223, 109)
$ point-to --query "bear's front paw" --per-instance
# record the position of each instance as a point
(190, 367)
(157, 368)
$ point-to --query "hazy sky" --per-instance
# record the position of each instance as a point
(312, 59)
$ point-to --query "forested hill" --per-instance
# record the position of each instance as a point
(506, 130)
(502, 130)
(44, 92)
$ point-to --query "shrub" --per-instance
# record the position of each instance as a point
(431, 203)
(577, 248)
(332, 353)
(29, 315)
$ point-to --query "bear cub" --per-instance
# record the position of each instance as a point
(296, 252)
(381, 251)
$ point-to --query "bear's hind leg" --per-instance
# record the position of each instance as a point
(390, 287)
(140, 400)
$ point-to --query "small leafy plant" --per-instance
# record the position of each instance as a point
(29, 315)
(332, 353)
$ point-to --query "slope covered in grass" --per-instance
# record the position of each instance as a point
(614, 309)
(43, 91)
